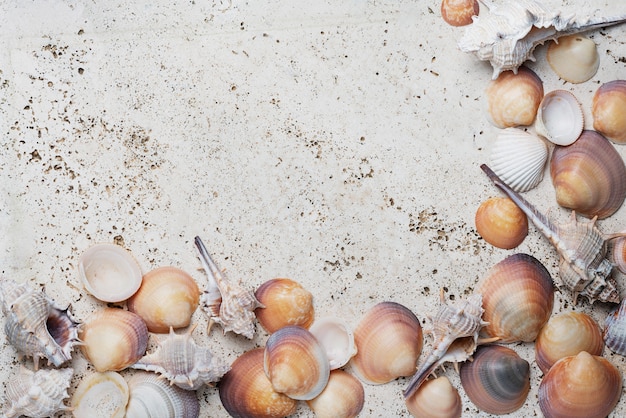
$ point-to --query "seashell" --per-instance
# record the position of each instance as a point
(518, 296)
(245, 390)
(508, 34)
(37, 394)
(168, 297)
(343, 397)
(153, 397)
(436, 398)
(617, 253)
(452, 322)
(574, 58)
(183, 363)
(36, 326)
(285, 302)
(102, 395)
(389, 341)
(459, 12)
(113, 339)
(519, 158)
(567, 334)
(608, 109)
(295, 363)
(497, 381)
(513, 98)
(337, 339)
(584, 268)
(589, 176)
(501, 223)
(109, 272)
(615, 330)
(580, 386)
(560, 118)
(226, 303)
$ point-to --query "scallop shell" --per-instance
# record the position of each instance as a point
(245, 391)
(510, 32)
(567, 334)
(513, 98)
(519, 158)
(436, 398)
(615, 329)
(560, 118)
(183, 363)
(285, 302)
(501, 223)
(153, 397)
(109, 272)
(113, 339)
(36, 326)
(580, 386)
(226, 302)
(343, 397)
(497, 381)
(389, 341)
(608, 109)
(574, 58)
(37, 394)
(295, 363)
(459, 12)
(168, 297)
(589, 176)
(103, 395)
(335, 335)
(518, 296)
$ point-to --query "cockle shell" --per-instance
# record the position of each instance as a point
(153, 397)
(519, 158)
(508, 34)
(35, 325)
(343, 397)
(285, 302)
(335, 335)
(455, 320)
(513, 98)
(584, 268)
(37, 394)
(608, 109)
(501, 223)
(101, 395)
(459, 12)
(574, 58)
(182, 362)
(435, 398)
(615, 329)
(226, 302)
(560, 118)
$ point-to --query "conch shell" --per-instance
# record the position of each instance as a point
(509, 33)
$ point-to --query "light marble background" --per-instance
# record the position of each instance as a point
(333, 142)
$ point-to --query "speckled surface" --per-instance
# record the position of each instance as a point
(335, 143)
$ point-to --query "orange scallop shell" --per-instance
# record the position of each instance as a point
(286, 303)
(501, 223)
(459, 12)
(609, 110)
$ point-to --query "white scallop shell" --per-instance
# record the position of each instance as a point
(101, 395)
(560, 118)
(335, 335)
(153, 397)
(519, 158)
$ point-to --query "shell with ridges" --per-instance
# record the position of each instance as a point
(285, 302)
(35, 325)
(153, 397)
(574, 58)
(615, 329)
(102, 395)
(389, 341)
(182, 362)
(560, 118)
(519, 158)
(617, 253)
(343, 397)
(436, 398)
(37, 394)
(335, 335)
(513, 99)
(608, 109)
(501, 223)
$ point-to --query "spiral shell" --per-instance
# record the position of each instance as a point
(518, 296)
(615, 329)
(608, 110)
(497, 381)
(285, 302)
(102, 395)
(574, 58)
(343, 397)
(389, 341)
(153, 397)
(436, 398)
(589, 176)
(245, 391)
(459, 12)
(567, 334)
(580, 386)
(560, 118)
(513, 99)
(501, 223)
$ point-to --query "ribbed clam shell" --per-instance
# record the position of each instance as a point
(615, 329)
(436, 398)
(560, 118)
(580, 386)
(113, 339)
(567, 334)
(182, 362)
(335, 335)
(343, 397)
(501, 223)
(519, 158)
(389, 341)
(245, 391)
(35, 325)
(589, 176)
(103, 395)
(574, 58)
(513, 99)
(608, 109)
(296, 363)
(497, 381)
(153, 397)
(285, 302)
(518, 296)
(37, 394)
